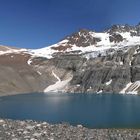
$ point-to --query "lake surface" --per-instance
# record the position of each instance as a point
(90, 110)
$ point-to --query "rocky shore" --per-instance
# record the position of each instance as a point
(32, 130)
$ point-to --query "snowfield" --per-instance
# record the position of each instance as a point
(100, 48)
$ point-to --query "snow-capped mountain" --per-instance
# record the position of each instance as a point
(85, 62)
(86, 41)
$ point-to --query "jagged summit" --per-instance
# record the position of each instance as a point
(134, 30)
(83, 38)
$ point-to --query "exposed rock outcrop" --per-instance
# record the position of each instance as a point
(89, 75)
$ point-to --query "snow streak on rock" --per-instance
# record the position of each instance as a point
(131, 88)
(109, 82)
(59, 86)
(29, 61)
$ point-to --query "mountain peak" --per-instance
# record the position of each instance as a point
(87, 41)
(83, 38)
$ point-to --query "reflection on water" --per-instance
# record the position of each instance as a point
(91, 110)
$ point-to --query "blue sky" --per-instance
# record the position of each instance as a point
(39, 23)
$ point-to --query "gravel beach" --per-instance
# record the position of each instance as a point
(32, 130)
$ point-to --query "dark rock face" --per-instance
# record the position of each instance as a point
(62, 48)
(120, 28)
(94, 74)
(115, 38)
(138, 29)
(134, 30)
(82, 38)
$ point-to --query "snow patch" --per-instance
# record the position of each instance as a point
(59, 80)
(126, 87)
(46, 52)
(59, 85)
(78, 85)
(132, 92)
(121, 62)
(29, 61)
(39, 72)
(130, 63)
(109, 82)
(101, 91)
(131, 88)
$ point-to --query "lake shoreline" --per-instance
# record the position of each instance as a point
(14, 94)
(28, 129)
(61, 93)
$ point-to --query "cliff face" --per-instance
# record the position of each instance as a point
(114, 73)
(86, 62)
(109, 74)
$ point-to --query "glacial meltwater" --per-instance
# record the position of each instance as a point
(90, 110)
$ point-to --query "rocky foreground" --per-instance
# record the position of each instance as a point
(31, 130)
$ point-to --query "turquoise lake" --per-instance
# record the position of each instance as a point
(90, 110)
